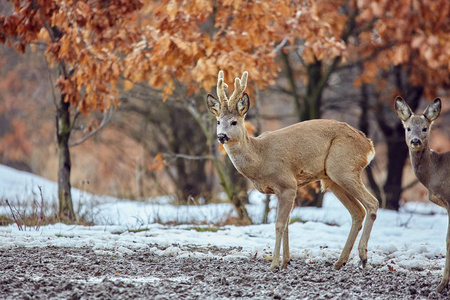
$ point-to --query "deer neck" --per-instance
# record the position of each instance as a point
(243, 154)
(421, 163)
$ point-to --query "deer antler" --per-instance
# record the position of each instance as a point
(221, 87)
(239, 88)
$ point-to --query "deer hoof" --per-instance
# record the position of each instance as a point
(274, 268)
(339, 264)
(364, 263)
(285, 264)
(442, 285)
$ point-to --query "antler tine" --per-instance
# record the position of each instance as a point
(239, 88)
(221, 87)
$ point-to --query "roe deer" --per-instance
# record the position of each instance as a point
(431, 168)
(280, 161)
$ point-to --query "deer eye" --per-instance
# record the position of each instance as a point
(234, 123)
(424, 129)
(408, 129)
(218, 122)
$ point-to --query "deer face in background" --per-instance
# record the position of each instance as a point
(230, 114)
(417, 127)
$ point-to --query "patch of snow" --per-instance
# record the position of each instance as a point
(413, 238)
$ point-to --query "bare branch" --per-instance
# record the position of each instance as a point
(107, 115)
(174, 156)
(77, 114)
(280, 46)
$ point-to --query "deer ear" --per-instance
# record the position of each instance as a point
(433, 110)
(243, 104)
(213, 105)
(402, 109)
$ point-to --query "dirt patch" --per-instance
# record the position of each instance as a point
(79, 273)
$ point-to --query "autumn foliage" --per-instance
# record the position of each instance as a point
(415, 34)
(190, 41)
(85, 36)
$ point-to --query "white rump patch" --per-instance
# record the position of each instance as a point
(370, 156)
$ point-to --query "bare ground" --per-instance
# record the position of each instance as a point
(79, 273)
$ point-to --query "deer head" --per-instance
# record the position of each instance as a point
(417, 127)
(230, 113)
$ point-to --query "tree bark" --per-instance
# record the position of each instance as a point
(63, 129)
(397, 150)
(397, 153)
(314, 90)
(290, 75)
(364, 127)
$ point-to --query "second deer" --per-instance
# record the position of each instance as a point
(280, 161)
(431, 168)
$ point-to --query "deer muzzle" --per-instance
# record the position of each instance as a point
(416, 142)
(223, 138)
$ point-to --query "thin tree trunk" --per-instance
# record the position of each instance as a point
(311, 110)
(314, 91)
(397, 150)
(364, 127)
(63, 129)
(290, 75)
(224, 177)
(397, 154)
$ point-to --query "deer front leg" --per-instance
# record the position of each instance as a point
(446, 275)
(285, 203)
(286, 254)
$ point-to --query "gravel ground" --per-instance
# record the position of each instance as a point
(79, 273)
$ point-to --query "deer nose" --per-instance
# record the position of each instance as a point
(416, 142)
(223, 138)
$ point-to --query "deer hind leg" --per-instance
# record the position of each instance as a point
(345, 170)
(285, 203)
(352, 183)
(356, 211)
(446, 274)
(286, 254)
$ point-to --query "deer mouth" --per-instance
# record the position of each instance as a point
(223, 138)
(416, 144)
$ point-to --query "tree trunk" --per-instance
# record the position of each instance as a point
(314, 90)
(63, 129)
(364, 127)
(311, 110)
(397, 150)
(290, 76)
(224, 177)
(397, 153)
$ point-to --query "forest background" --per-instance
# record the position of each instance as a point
(126, 82)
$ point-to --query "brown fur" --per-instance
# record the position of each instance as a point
(278, 162)
(431, 168)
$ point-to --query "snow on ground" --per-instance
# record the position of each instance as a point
(413, 238)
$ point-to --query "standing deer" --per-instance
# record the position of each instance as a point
(278, 162)
(431, 168)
